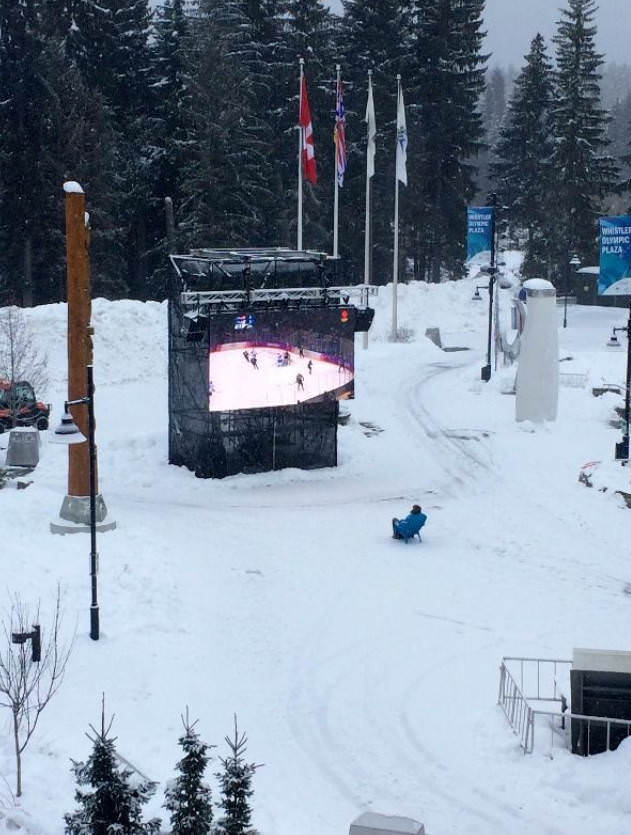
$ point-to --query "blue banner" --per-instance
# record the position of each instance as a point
(615, 256)
(479, 234)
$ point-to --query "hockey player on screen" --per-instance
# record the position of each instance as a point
(310, 366)
(300, 381)
(254, 360)
(246, 356)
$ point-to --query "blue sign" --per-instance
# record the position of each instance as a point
(615, 256)
(479, 233)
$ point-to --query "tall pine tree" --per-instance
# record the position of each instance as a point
(445, 129)
(228, 181)
(29, 74)
(583, 171)
(521, 169)
(493, 111)
(110, 44)
(173, 138)
(308, 33)
(372, 38)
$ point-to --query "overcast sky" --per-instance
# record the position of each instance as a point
(512, 24)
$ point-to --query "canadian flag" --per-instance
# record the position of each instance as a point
(306, 129)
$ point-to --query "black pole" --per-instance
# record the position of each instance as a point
(94, 606)
(485, 373)
(626, 398)
(567, 288)
(622, 449)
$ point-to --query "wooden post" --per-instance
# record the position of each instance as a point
(83, 507)
(79, 341)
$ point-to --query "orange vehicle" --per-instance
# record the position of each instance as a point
(19, 406)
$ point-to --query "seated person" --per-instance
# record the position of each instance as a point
(411, 525)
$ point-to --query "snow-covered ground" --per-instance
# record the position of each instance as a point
(364, 671)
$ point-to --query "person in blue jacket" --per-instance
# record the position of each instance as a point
(411, 525)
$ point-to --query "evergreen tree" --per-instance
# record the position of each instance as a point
(493, 110)
(173, 138)
(445, 129)
(619, 138)
(110, 44)
(521, 170)
(373, 38)
(173, 85)
(51, 129)
(189, 800)
(236, 788)
(308, 33)
(583, 170)
(618, 134)
(228, 181)
(24, 137)
(113, 805)
(269, 69)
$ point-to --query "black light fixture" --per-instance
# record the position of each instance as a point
(613, 341)
(574, 262)
(68, 433)
(35, 637)
(485, 371)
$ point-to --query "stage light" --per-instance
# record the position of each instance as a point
(197, 328)
(363, 319)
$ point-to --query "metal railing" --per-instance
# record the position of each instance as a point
(542, 675)
(532, 680)
(584, 741)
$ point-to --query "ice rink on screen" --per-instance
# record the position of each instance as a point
(236, 384)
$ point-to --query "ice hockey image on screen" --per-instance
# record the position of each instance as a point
(280, 358)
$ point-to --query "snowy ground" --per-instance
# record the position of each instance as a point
(237, 384)
(364, 671)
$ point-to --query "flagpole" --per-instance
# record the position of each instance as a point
(367, 224)
(336, 191)
(300, 147)
(395, 267)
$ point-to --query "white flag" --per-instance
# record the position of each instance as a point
(402, 141)
(372, 133)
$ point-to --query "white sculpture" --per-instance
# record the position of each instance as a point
(372, 823)
(537, 384)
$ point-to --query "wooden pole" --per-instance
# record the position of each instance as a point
(79, 339)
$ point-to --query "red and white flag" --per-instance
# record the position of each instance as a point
(306, 128)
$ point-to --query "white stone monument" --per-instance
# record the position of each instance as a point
(537, 384)
(23, 448)
(371, 823)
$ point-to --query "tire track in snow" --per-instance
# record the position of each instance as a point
(351, 773)
(444, 445)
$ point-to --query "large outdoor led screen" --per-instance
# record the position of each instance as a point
(280, 358)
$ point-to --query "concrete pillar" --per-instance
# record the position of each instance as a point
(537, 384)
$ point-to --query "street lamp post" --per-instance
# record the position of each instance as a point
(68, 433)
(574, 262)
(485, 372)
(622, 448)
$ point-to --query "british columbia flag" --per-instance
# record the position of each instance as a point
(339, 135)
